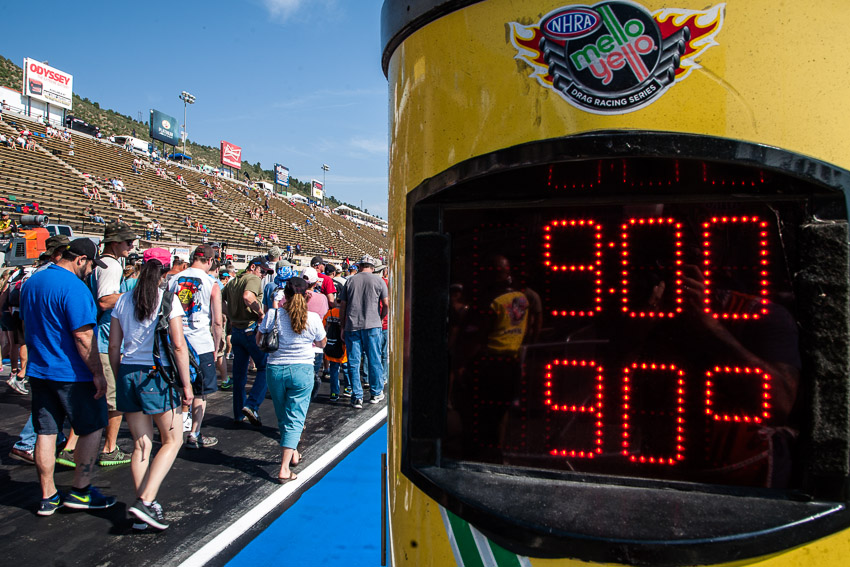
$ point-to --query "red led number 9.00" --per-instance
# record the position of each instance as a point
(574, 252)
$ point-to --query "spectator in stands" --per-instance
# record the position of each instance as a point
(7, 225)
(95, 193)
(3, 108)
(243, 298)
(200, 298)
(157, 230)
(66, 377)
(86, 191)
(4, 141)
(149, 230)
(21, 141)
(290, 372)
(148, 203)
(258, 240)
(144, 396)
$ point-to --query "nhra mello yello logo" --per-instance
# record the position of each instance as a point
(615, 57)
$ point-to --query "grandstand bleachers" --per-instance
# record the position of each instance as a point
(53, 176)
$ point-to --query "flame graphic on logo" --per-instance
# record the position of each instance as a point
(702, 24)
(526, 40)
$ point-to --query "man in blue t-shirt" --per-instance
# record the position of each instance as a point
(66, 375)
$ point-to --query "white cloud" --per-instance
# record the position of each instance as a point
(282, 8)
(373, 146)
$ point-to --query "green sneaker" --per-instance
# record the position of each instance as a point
(115, 457)
(226, 384)
(66, 458)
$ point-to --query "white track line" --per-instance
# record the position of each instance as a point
(255, 514)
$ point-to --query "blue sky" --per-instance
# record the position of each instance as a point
(296, 82)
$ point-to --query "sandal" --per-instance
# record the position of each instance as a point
(294, 462)
(292, 476)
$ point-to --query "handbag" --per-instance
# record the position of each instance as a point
(269, 342)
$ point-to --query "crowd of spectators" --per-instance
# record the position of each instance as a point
(102, 363)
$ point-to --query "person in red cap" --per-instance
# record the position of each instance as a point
(142, 392)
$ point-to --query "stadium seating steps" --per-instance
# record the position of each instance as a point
(53, 175)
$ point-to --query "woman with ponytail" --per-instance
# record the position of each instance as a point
(141, 392)
(290, 368)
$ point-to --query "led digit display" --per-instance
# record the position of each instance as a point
(650, 339)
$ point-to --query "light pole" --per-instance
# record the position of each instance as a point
(325, 169)
(187, 99)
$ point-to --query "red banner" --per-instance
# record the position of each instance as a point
(231, 155)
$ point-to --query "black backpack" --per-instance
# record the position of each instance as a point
(335, 347)
(163, 348)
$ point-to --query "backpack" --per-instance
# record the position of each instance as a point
(164, 358)
(335, 347)
(14, 299)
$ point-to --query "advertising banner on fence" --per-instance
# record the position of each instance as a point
(46, 83)
(318, 190)
(164, 128)
(281, 175)
(231, 155)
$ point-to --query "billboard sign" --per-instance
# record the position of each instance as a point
(164, 128)
(281, 175)
(318, 190)
(45, 83)
(231, 155)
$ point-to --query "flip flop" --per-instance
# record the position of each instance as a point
(292, 476)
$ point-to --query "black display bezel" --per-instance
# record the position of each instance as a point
(757, 522)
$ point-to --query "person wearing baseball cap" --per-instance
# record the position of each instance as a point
(7, 226)
(106, 284)
(147, 397)
(361, 305)
(200, 297)
(327, 286)
(244, 306)
(283, 271)
(66, 377)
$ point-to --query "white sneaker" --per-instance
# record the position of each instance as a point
(377, 399)
(18, 385)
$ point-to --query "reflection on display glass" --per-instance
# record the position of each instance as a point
(654, 340)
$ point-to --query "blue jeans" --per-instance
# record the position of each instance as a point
(245, 346)
(28, 437)
(385, 353)
(335, 374)
(366, 341)
(291, 386)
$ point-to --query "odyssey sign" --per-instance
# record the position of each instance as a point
(45, 83)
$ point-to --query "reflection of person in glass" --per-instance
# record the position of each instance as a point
(487, 365)
(756, 453)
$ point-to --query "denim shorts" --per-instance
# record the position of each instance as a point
(137, 389)
(207, 382)
(52, 401)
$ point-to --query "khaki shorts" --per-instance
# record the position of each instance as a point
(110, 382)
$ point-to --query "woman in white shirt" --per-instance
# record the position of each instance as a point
(289, 370)
(141, 392)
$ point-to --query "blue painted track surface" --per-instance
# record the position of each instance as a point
(337, 522)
